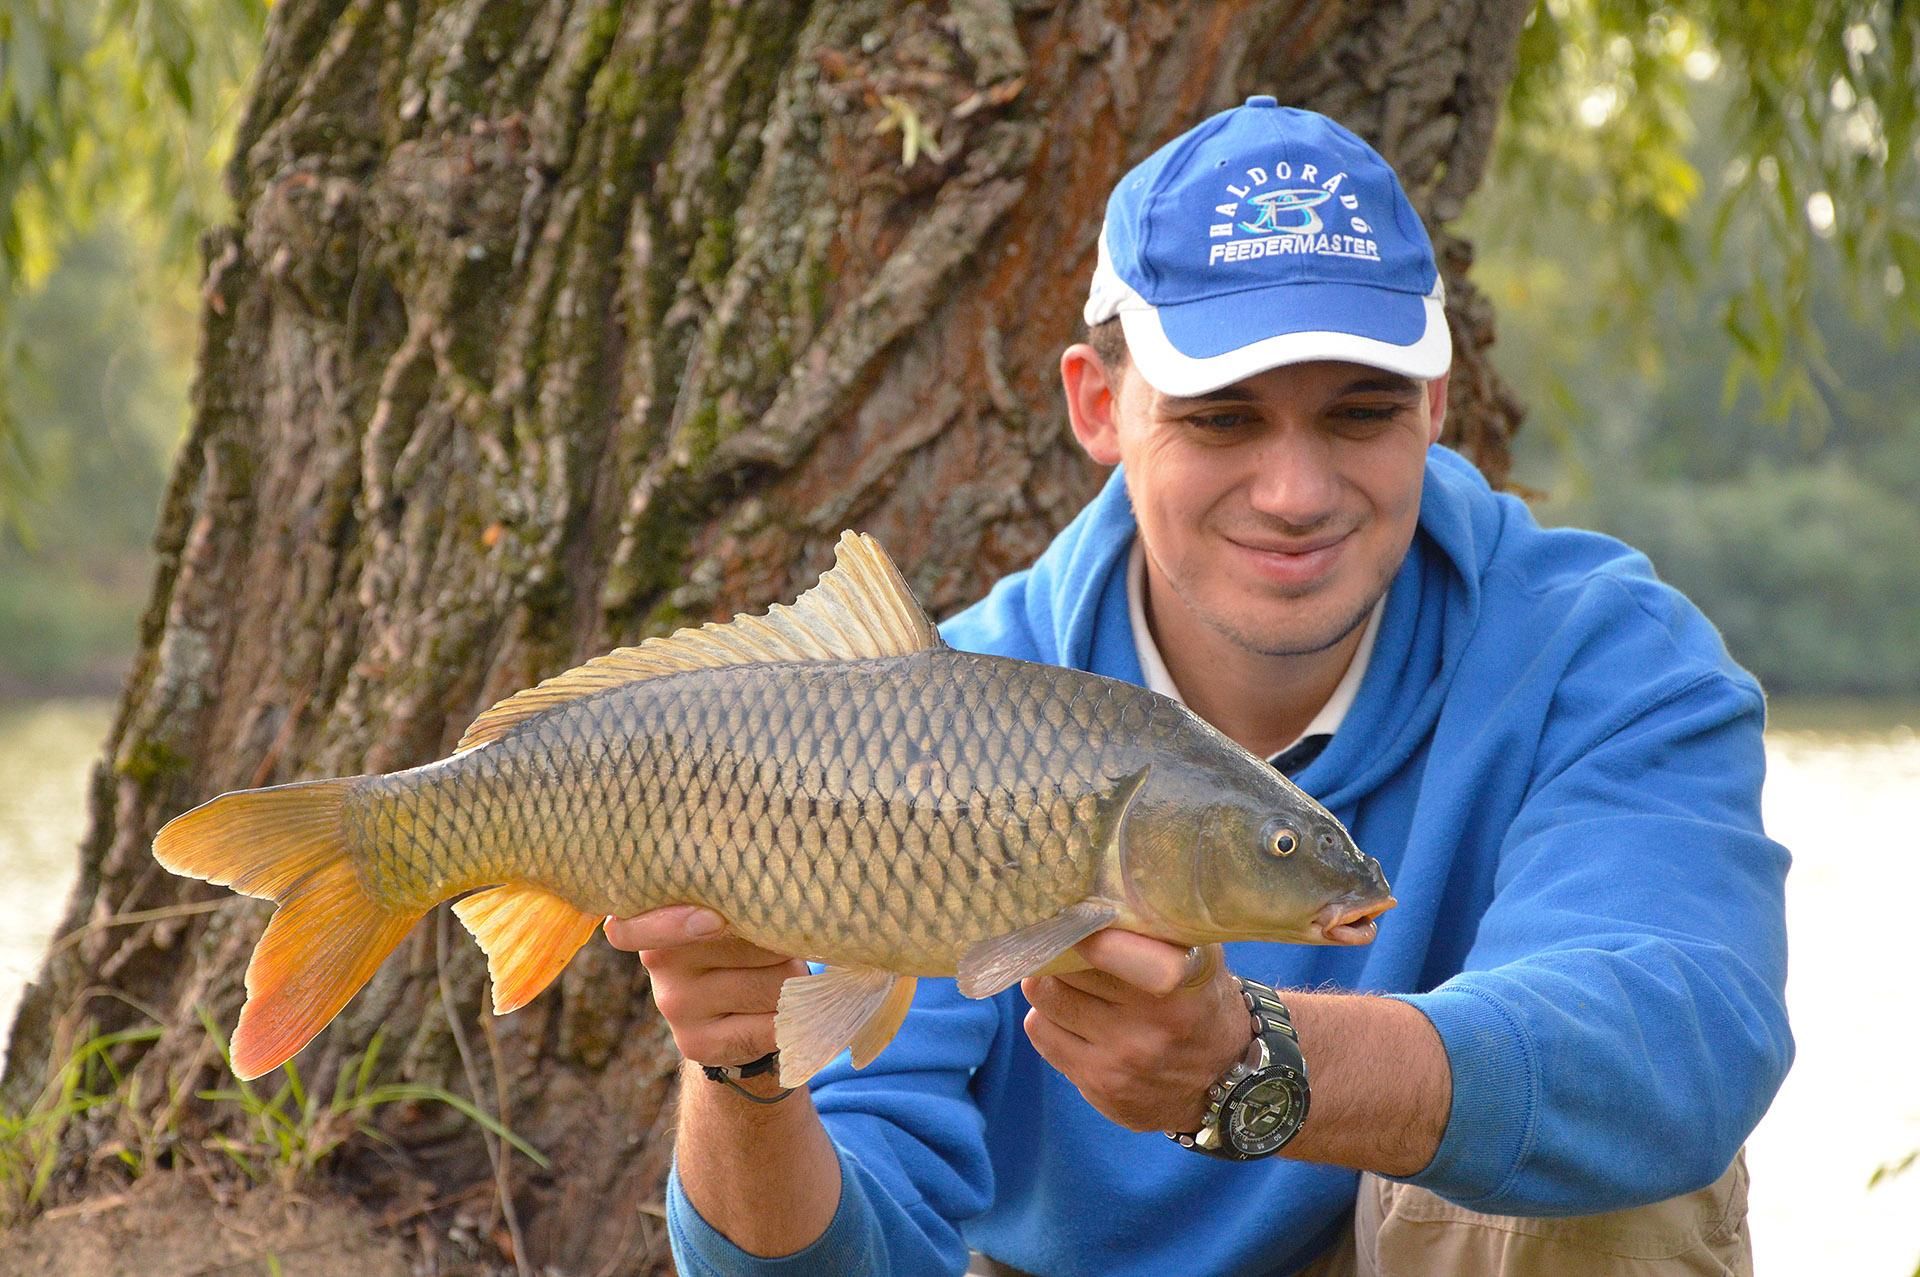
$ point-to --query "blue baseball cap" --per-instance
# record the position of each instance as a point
(1265, 236)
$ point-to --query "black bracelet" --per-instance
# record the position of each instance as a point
(730, 1075)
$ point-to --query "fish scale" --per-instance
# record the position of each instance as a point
(828, 776)
(984, 810)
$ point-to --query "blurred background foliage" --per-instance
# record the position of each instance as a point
(115, 121)
(1702, 234)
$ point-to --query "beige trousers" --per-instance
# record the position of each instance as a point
(1402, 1231)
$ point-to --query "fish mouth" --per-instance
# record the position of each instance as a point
(1344, 922)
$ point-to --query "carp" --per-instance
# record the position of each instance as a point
(830, 777)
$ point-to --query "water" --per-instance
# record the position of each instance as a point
(1847, 802)
(1843, 792)
(46, 752)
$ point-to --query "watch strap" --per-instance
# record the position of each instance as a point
(1273, 1061)
(731, 1075)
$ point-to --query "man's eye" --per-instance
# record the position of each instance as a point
(1366, 416)
(1218, 420)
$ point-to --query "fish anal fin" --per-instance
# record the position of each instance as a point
(1003, 961)
(885, 1022)
(860, 608)
(529, 935)
(323, 943)
(820, 1015)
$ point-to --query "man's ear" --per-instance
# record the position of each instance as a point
(1093, 392)
(1437, 406)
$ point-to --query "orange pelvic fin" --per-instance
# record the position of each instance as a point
(528, 933)
(328, 936)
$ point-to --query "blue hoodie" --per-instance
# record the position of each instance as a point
(1558, 768)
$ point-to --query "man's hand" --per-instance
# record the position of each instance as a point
(716, 992)
(764, 1175)
(1145, 1032)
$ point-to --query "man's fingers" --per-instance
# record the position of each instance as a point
(717, 994)
(1101, 987)
(1153, 966)
(683, 927)
(1057, 1044)
(1203, 961)
(695, 961)
(665, 928)
(1061, 1000)
(730, 1039)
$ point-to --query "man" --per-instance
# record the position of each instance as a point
(1576, 1009)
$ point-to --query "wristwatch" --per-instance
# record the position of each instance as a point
(1261, 1102)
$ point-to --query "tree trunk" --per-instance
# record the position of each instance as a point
(545, 325)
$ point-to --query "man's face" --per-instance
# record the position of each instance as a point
(1276, 510)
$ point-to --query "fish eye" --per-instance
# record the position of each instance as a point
(1283, 842)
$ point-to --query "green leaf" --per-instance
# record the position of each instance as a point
(1889, 1170)
(26, 78)
(399, 1091)
(298, 1091)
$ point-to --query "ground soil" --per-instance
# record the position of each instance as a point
(175, 1225)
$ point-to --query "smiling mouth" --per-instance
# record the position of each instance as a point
(1294, 569)
(1346, 923)
(1299, 549)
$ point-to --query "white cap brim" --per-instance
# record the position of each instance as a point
(1172, 372)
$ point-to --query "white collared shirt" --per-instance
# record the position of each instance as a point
(1331, 715)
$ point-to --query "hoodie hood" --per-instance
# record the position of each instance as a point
(1070, 609)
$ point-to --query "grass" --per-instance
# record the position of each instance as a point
(30, 1142)
(288, 1134)
(295, 1132)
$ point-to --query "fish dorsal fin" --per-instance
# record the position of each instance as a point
(860, 608)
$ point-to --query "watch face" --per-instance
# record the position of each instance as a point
(1264, 1113)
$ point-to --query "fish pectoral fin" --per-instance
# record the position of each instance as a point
(1066, 964)
(819, 1015)
(529, 934)
(1004, 961)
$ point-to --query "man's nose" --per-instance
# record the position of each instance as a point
(1294, 479)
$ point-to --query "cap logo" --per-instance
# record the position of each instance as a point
(1275, 204)
(1286, 219)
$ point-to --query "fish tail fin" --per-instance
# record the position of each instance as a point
(528, 933)
(328, 936)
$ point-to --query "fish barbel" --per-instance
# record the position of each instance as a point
(832, 779)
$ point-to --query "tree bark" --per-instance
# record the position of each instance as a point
(545, 325)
